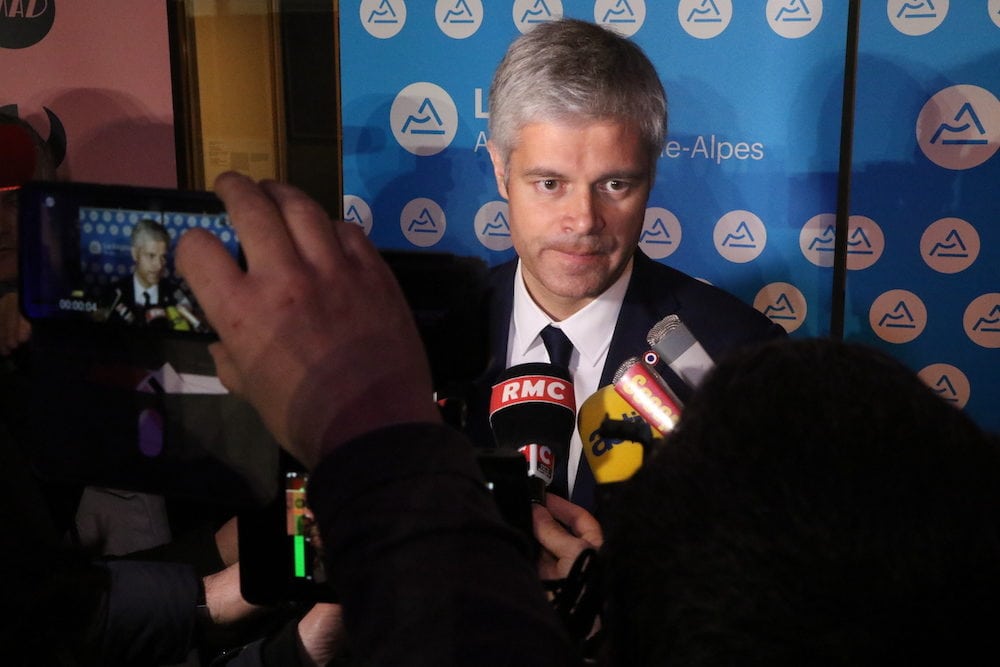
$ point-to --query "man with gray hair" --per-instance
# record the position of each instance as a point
(578, 120)
(151, 297)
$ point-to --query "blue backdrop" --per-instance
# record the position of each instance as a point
(746, 194)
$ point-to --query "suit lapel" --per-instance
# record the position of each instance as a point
(641, 309)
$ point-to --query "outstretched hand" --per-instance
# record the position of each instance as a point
(316, 333)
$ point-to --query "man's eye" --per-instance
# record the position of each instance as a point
(549, 185)
(615, 185)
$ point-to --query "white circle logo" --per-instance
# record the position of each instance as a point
(794, 18)
(704, 19)
(982, 320)
(818, 239)
(898, 316)
(994, 10)
(949, 245)
(358, 212)
(948, 382)
(529, 13)
(661, 233)
(916, 17)
(493, 226)
(783, 303)
(865, 241)
(424, 118)
(740, 236)
(382, 18)
(422, 222)
(623, 16)
(959, 128)
(459, 19)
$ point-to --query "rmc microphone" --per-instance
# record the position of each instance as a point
(680, 350)
(533, 410)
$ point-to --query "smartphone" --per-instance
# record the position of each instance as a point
(281, 555)
(103, 255)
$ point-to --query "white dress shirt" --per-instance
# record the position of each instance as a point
(154, 292)
(589, 329)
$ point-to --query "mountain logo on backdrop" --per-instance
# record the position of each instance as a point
(982, 320)
(382, 18)
(459, 19)
(864, 247)
(357, 211)
(529, 13)
(740, 236)
(783, 303)
(623, 16)
(948, 382)
(24, 23)
(661, 233)
(916, 17)
(424, 118)
(898, 316)
(959, 127)
(950, 245)
(794, 18)
(493, 226)
(422, 222)
(704, 19)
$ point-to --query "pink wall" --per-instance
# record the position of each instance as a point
(103, 69)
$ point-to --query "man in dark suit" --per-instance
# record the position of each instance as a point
(577, 123)
(149, 297)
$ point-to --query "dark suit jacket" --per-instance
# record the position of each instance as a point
(716, 318)
(130, 303)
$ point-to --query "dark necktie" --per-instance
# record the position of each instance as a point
(145, 299)
(559, 348)
(557, 345)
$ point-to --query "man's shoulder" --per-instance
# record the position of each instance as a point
(658, 280)
(703, 306)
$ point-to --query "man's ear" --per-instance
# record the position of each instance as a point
(499, 168)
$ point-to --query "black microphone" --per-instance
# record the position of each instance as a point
(533, 410)
(680, 350)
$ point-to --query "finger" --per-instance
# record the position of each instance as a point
(579, 521)
(227, 371)
(553, 537)
(255, 216)
(210, 271)
(309, 226)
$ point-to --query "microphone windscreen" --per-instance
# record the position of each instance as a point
(533, 403)
(671, 339)
(644, 389)
(17, 156)
(611, 460)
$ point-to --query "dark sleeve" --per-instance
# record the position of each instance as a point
(427, 571)
(150, 613)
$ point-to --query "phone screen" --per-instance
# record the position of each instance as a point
(302, 532)
(103, 254)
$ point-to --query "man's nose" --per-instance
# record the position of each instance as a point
(582, 212)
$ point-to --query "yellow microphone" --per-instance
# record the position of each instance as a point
(612, 459)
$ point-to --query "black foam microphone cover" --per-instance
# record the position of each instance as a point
(534, 404)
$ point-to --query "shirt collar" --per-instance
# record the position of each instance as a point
(589, 329)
